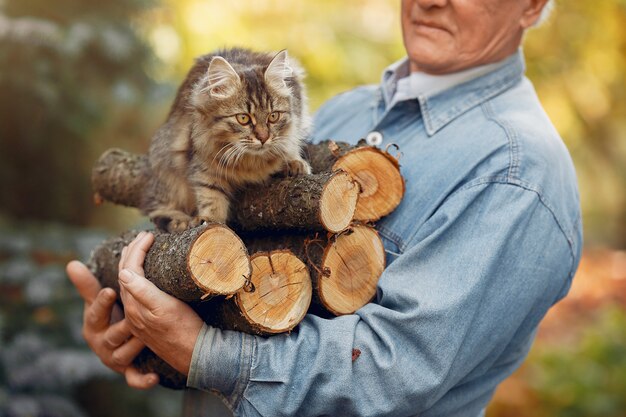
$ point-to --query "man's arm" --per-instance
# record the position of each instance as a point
(454, 314)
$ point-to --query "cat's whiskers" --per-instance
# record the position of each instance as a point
(223, 162)
(232, 163)
(240, 149)
(223, 149)
(280, 152)
(222, 168)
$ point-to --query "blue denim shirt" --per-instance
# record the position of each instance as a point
(486, 239)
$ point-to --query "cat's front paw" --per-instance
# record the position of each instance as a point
(171, 220)
(296, 167)
(198, 220)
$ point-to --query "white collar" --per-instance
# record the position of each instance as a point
(400, 84)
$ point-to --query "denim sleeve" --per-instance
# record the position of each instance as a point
(476, 277)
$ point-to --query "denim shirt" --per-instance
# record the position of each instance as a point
(485, 240)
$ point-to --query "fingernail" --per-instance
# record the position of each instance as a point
(152, 379)
(126, 276)
(140, 235)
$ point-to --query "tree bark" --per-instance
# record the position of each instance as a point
(325, 201)
(275, 301)
(376, 171)
(344, 267)
(119, 177)
(206, 260)
(147, 361)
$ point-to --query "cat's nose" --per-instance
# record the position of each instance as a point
(262, 134)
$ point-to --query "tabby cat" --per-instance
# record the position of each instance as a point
(238, 118)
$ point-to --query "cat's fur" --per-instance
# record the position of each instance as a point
(203, 152)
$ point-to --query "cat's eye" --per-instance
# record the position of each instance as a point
(273, 117)
(243, 119)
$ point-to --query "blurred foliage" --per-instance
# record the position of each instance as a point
(585, 379)
(80, 76)
(46, 368)
(577, 366)
(340, 44)
(578, 64)
(66, 70)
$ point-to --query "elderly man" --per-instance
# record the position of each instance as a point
(487, 238)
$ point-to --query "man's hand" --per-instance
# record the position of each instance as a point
(113, 343)
(165, 324)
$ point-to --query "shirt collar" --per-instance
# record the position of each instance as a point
(444, 98)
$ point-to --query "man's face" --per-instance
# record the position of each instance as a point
(443, 36)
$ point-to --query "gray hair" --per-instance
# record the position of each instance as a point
(545, 13)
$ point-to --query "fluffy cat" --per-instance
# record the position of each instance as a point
(239, 117)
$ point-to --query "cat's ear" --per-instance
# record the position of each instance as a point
(278, 71)
(223, 80)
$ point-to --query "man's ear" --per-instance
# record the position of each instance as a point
(532, 12)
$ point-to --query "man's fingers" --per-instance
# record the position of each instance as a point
(85, 282)
(124, 355)
(140, 289)
(116, 334)
(137, 252)
(122, 261)
(136, 379)
(98, 314)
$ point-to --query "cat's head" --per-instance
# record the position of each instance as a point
(252, 103)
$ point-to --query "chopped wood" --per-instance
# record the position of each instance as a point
(147, 361)
(276, 300)
(326, 201)
(281, 292)
(352, 264)
(206, 260)
(376, 171)
(119, 177)
(344, 268)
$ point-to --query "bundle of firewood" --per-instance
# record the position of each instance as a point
(295, 245)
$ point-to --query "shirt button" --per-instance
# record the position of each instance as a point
(374, 138)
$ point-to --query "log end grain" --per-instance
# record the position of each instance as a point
(282, 292)
(338, 202)
(378, 174)
(218, 261)
(354, 262)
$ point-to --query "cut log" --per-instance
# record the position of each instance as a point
(326, 201)
(206, 260)
(212, 260)
(275, 302)
(344, 268)
(147, 361)
(119, 177)
(376, 171)
(351, 266)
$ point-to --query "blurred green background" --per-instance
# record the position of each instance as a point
(80, 76)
